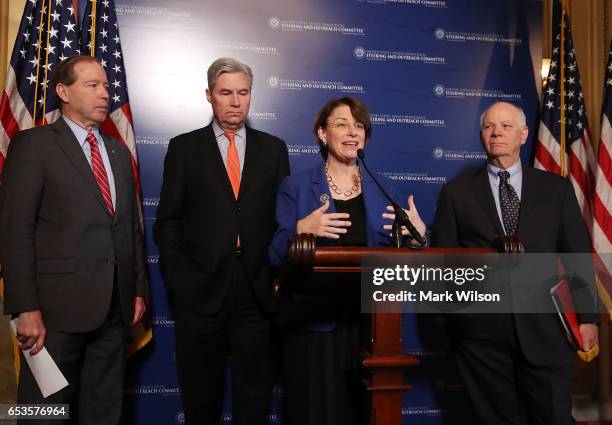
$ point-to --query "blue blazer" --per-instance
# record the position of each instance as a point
(300, 194)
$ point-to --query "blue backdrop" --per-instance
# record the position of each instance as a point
(425, 68)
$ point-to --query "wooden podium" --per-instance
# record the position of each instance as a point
(385, 361)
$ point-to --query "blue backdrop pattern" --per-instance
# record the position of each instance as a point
(425, 68)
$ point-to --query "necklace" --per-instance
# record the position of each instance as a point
(346, 193)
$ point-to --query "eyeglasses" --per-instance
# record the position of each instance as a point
(343, 127)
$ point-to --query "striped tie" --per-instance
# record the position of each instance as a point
(100, 173)
(233, 163)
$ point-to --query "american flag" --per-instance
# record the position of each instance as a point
(47, 35)
(602, 199)
(100, 38)
(564, 145)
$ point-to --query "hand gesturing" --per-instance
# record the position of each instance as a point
(323, 224)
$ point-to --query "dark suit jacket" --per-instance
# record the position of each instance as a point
(550, 222)
(58, 243)
(198, 218)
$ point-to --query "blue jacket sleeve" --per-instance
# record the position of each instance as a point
(286, 217)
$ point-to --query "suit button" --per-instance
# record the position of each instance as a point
(238, 208)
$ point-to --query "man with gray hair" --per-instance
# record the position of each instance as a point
(215, 220)
(517, 368)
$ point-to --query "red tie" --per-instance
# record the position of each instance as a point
(233, 163)
(100, 173)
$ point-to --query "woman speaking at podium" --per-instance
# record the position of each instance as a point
(323, 327)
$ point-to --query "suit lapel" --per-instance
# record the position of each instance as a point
(320, 192)
(67, 141)
(211, 156)
(253, 162)
(528, 199)
(370, 193)
(320, 189)
(482, 190)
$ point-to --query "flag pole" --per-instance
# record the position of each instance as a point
(563, 153)
(92, 29)
(46, 79)
(40, 30)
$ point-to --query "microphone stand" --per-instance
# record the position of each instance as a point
(401, 218)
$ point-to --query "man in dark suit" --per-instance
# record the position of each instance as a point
(214, 222)
(71, 247)
(515, 367)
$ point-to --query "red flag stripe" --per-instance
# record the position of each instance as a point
(19, 109)
(547, 161)
(579, 171)
(605, 145)
(603, 271)
(9, 123)
(137, 187)
(605, 163)
(53, 116)
(603, 188)
(109, 127)
(122, 118)
(546, 150)
(128, 113)
(4, 139)
(123, 126)
(602, 217)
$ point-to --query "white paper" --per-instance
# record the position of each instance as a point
(48, 376)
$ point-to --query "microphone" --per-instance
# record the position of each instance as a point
(401, 218)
